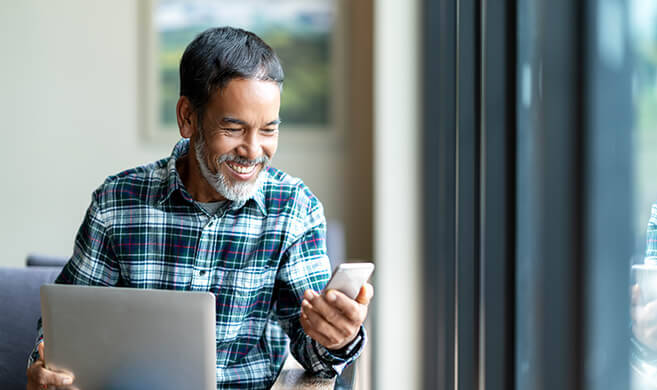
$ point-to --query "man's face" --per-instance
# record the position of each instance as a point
(238, 136)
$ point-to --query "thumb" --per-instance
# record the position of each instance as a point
(41, 351)
(365, 294)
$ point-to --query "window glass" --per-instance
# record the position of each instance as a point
(643, 46)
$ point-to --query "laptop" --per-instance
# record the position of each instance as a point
(126, 338)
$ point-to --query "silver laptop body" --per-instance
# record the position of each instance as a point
(125, 338)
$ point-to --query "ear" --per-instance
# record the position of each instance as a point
(186, 117)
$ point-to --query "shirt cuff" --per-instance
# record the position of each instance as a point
(344, 356)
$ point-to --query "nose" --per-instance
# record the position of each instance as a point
(250, 145)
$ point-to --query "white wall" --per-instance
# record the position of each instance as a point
(68, 97)
(397, 244)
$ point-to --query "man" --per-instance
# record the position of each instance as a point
(215, 217)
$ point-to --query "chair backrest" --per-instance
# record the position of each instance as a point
(35, 260)
(20, 308)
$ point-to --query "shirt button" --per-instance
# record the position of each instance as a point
(202, 272)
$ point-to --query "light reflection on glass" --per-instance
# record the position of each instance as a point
(643, 42)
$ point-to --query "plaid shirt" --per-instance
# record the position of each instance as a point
(144, 230)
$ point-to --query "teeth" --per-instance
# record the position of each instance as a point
(240, 169)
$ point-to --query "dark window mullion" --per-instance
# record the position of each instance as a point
(497, 265)
(439, 200)
(467, 222)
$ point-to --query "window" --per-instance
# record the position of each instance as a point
(303, 34)
(642, 17)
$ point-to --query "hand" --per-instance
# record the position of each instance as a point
(644, 319)
(39, 377)
(333, 319)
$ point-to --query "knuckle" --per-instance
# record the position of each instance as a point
(332, 316)
(41, 377)
(325, 328)
(342, 301)
(346, 331)
(334, 340)
(352, 315)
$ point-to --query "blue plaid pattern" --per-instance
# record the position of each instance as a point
(144, 230)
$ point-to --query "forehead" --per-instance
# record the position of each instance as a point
(247, 99)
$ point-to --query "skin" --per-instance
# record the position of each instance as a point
(644, 319)
(242, 119)
(333, 319)
(39, 377)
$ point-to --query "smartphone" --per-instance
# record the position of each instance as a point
(348, 278)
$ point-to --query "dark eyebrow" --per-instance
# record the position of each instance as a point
(236, 121)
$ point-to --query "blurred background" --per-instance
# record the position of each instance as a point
(496, 160)
(91, 88)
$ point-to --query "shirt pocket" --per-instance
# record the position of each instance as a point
(243, 300)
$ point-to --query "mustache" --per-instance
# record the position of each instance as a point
(243, 161)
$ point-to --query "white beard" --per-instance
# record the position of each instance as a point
(236, 192)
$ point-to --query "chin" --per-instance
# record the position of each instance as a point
(238, 191)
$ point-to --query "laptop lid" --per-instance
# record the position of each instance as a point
(127, 338)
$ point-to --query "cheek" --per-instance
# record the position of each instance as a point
(269, 147)
(220, 147)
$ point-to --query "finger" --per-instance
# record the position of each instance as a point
(365, 294)
(46, 377)
(31, 370)
(651, 337)
(350, 308)
(333, 315)
(319, 325)
(310, 294)
(647, 336)
(649, 314)
(40, 348)
(308, 328)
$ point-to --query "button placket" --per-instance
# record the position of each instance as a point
(204, 256)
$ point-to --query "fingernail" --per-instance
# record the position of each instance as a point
(309, 294)
(330, 296)
(68, 381)
(305, 303)
(314, 293)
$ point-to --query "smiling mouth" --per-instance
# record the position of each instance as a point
(240, 169)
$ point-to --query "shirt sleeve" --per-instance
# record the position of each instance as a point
(305, 265)
(651, 233)
(93, 262)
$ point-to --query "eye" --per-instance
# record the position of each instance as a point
(232, 130)
(269, 131)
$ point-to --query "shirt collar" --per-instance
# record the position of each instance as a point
(174, 183)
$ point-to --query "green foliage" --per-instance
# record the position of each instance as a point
(306, 62)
